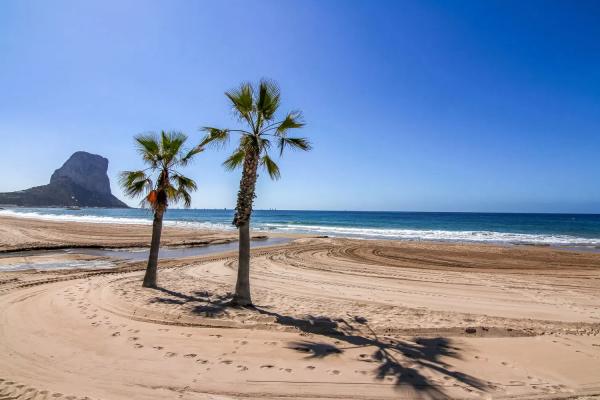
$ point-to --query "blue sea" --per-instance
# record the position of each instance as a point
(570, 230)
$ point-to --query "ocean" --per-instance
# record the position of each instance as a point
(571, 230)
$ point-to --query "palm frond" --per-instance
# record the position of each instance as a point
(148, 146)
(291, 121)
(185, 197)
(264, 144)
(171, 193)
(242, 100)
(271, 167)
(268, 99)
(183, 182)
(171, 143)
(135, 183)
(235, 160)
(293, 143)
(187, 157)
(214, 137)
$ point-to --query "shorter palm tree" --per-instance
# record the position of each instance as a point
(160, 184)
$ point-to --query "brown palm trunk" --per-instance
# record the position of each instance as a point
(150, 277)
(242, 296)
(242, 287)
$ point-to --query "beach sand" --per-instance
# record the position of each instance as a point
(334, 319)
(31, 234)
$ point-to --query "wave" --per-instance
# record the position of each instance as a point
(96, 219)
(438, 235)
(335, 231)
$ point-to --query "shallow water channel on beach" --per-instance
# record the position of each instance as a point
(71, 258)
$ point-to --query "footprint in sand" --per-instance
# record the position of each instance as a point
(202, 361)
(133, 338)
(170, 354)
(242, 368)
(116, 334)
(138, 346)
(310, 367)
(226, 362)
(334, 372)
(190, 355)
(267, 366)
(158, 347)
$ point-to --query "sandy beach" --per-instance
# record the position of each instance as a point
(334, 319)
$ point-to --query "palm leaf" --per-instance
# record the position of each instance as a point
(149, 148)
(215, 137)
(291, 121)
(187, 157)
(171, 143)
(268, 99)
(235, 160)
(293, 143)
(242, 100)
(271, 167)
(185, 197)
(135, 183)
(183, 182)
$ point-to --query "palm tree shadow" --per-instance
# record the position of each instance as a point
(209, 304)
(400, 360)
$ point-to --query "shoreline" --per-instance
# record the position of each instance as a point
(97, 235)
(438, 227)
(29, 234)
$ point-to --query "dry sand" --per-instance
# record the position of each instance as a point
(335, 319)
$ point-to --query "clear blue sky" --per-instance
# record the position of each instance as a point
(424, 105)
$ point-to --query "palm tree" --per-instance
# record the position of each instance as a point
(160, 184)
(256, 108)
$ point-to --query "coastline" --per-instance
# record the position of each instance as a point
(26, 234)
(334, 318)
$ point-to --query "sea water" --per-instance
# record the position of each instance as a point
(571, 230)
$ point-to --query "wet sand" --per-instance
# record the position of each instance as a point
(335, 319)
(18, 234)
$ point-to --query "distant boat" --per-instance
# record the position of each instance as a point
(73, 208)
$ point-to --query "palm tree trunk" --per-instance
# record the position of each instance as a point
(243, 212)
(242, 295)
(150, 277)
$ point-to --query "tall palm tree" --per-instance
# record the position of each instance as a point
(160, 184)
(256, 108)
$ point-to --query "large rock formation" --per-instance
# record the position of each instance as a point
(81, 181)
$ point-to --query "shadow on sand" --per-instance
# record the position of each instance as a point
(402, 361)
(210, 304)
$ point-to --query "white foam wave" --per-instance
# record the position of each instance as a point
(96, 219)
(76, 218)
(438, 235)
(365, 233)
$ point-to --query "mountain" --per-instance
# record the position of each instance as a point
(81, 181)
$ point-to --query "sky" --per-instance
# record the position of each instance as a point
(410, 105)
